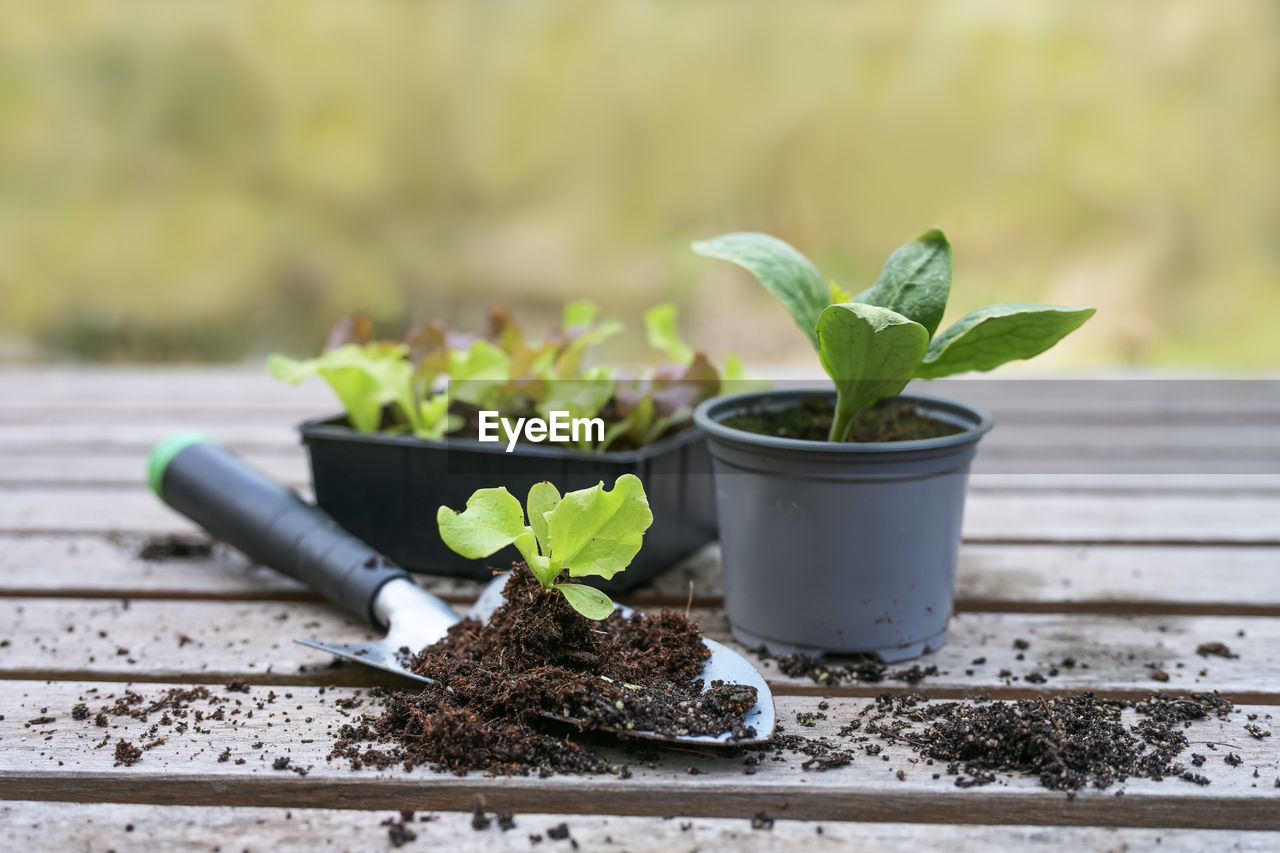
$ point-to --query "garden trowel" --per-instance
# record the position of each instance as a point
(273, 526)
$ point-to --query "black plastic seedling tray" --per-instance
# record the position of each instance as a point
(385, 489)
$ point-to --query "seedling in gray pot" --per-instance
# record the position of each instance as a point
(873, 344)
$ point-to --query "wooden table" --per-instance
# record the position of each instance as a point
(1119, 523)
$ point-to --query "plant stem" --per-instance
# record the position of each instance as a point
(841, 423)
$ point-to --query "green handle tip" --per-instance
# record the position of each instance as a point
(164, 451)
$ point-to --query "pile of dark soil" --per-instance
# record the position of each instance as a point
(509, 696)
(1068, 742)
(887, 420)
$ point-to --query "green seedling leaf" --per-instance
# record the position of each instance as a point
(543, 498)
(538, 564)
(634, 425)
(733, 368)
(989, 337)
(364, 377)
(839, 294)
(783, 271)
(568, 363)
(587, 600)
(476, 373)
(660, 328)
(598, 532)
(582, 312)
(581, 398)
(492, 521)
(434, 420)
(915, 281)
(588, 532)
(870, 353)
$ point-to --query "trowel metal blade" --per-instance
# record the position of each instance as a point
(378, 654)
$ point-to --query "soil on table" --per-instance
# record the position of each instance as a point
(1067, 742)
(886, 420)
(510, 696)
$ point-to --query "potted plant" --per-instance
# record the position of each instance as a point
(417, 410)
(840, 512)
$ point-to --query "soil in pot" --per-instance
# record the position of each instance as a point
(495, 683)
(886, 420)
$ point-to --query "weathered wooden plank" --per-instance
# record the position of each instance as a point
(1030, 578)
(157, 640)
(1207, 580)
(37, 825)
(110, 567)
(1106, 393)
(989, 517)
(58, 761)
(91, 469)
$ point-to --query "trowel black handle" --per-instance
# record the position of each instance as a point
(243, 507)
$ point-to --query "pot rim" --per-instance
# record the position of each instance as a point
(709, 414)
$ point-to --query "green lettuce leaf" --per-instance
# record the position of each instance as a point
(543, 497)
(364, 377)
(587, 600)
(598, 532)
(664, 335)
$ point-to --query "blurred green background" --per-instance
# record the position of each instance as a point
(213, 180)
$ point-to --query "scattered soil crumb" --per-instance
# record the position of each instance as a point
(761, 821)
(126, 753)
(1221, 650)
(398, 831)
(559, 832)
(176, 548)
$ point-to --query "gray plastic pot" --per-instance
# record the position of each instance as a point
(839, 547)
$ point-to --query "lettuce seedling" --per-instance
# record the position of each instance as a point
(588, 533)
(500, 370)
(873, 344)
(367, 377)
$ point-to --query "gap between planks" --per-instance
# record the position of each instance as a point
(58, 761)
